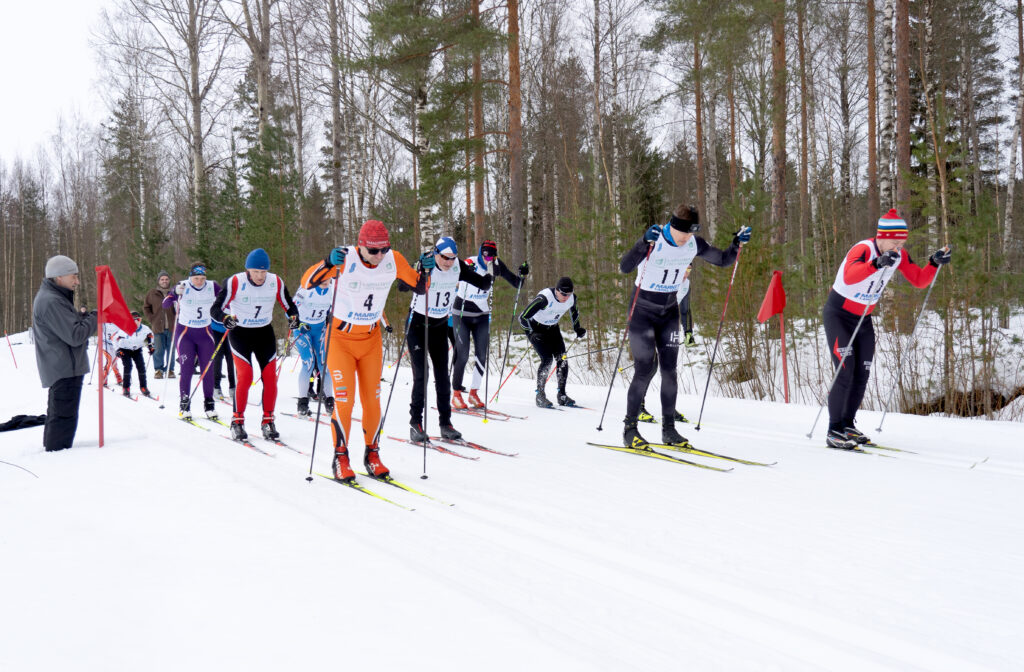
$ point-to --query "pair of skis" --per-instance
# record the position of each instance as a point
(356, 485)
(649, 451)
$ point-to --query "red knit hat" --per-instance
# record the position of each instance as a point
(892, 226)
(373, 234)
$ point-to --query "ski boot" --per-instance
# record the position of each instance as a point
(457, 400)
(270, 432)
(565, 400)
(449, 432)
(311, 392)
(416, 433)
(340, 467)
(543, 401)
(238, 428)
(631, 437)
(670, 436)
(210, 408)
(329, 404)
(371, 460)
(689, 341)
(144, 391)
(679, 417)
(836, 438)
(126, 391)
(474, 400)
(854, 434)
(302, 408)
(185, 408)
(644, 416)
(218, 394)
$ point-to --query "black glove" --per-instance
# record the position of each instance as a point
(293, 322)
(388, 328)
(941, 257)
(151, 348)
(230, 322)
(524, 270)
(580, 332)
(887, 259)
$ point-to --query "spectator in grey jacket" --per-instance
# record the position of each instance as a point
(61, 334)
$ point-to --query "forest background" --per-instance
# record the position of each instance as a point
(561, 129)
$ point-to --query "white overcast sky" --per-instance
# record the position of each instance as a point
(46, 69)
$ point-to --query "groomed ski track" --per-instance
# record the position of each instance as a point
(171, 548)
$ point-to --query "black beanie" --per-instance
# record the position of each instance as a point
(564, 285)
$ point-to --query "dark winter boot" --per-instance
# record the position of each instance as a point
(311, 392)
(270, 432)
(144, 391)
(450, 433)
(679, 417)
(854, 434)
(126, 391)
(210, 408)
(669, 434)
(185, 408)
(631, 437)
(329, 404)
(543, 401)
(644, 416)
(371, 460)
(159, 375)
(303, 406)
(340, 467)
(565, 400)
(416, 433)
(836, 438)
(238, 428)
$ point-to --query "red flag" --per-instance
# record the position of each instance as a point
(110, 303)
(774, 299)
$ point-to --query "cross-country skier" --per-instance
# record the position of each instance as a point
(431, 312)
(245, 305)
(193, 337)
(364, 273)
(471, 317)
(661, 257)
(540, 322)
(687, 324)
(313, 305)
(129, 349)
(859, 282)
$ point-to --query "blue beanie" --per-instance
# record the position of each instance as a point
(446, 245)
(258, 259)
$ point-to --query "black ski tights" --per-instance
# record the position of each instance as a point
(848, 392)
(653, 330)
(548, 343)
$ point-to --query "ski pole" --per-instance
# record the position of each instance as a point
(207, 367)
(328, 324)
(426, 377)
(899, 363)
(170, 354)
(849, 344)
(394, 379)
(513, 370)
(12, 349)
(508, 338)
(625, 332)
(718, 337)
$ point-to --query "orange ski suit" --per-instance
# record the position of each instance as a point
(356, 353)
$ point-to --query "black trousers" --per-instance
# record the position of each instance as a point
(848, 392)
(62, 413)
(654, 342)
(685, 318)
(479, 328)
(128, 357)
(437, 344)
(548, 343)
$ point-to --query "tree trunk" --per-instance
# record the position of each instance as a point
(804, 193)
(886, 114)
(698, 95)
(902, 72)
(425, 221)
(712, 160)
(779, 120)
(515, 136)
(873, 204)
(478, 129)
(731, 95)
(337, 129)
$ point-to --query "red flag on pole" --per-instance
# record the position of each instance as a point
(110, 303)
(774, 299)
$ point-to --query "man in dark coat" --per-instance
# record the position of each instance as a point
(61, 333)
(161, 320)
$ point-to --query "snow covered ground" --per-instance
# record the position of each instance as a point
(172, 548)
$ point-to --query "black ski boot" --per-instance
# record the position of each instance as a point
(238, 428)
(679, 417)
(328, 404)
(185, 408)
(303, 406)
(836, 438)
(450, 433)
(854, 434)
(543, 401)
(210, 408)
(416, 433)
(126, 391)
(565, 400)
(645, 416)
(270, 432)
(631, 437)
(669, 434)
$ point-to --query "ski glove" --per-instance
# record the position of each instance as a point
(651, 234)
(524, 270)
(293, 323)
(151, 348)
(388, 328)
(337, 256)
(427, 262)
(581, 332)
(887, 259)
(230, 322)
(742, 236)
(941, 257)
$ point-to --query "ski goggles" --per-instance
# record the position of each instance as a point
(378, 250)
(446, 257)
